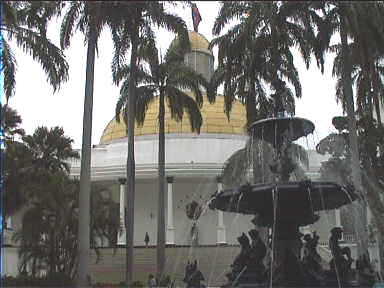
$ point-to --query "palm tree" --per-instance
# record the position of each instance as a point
(366, 77)
(257, 49)
(10, 122)
(51, 149)
(346, 18)
(365, 54)
(90, 18)
(137, 30)
(26, 23)
(28, 161)
(166, 79)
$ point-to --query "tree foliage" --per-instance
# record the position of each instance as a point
(135, 32)
(25, 24)
(37, 179)
(257, 51)
(48, 237)
(168, 77)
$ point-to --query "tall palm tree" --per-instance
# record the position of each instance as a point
(26, 23)
(136, 30)
(345, 18)
(90, 18)
(257, 51)
(367, 78)
(264, 36)
(166, 79)
(365, 54)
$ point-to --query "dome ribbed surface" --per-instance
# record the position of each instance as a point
(214, 121)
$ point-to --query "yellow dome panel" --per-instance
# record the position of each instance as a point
(199, 42)
(214, 121)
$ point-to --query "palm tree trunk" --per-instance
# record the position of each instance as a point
(251, 105)
(376, 206)
(376, 100)
(130, 187)
(85, 172)
(160, 248)
(359, 207)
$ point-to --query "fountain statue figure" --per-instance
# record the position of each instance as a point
(248, 266)
(283, 206)
(193, 276)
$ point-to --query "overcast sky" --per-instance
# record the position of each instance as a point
(38, 106)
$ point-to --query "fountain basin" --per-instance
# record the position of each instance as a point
(281, 130)
(295, 202)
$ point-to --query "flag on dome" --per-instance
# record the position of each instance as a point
(196, 17)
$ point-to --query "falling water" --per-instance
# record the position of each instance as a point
(238, 202)
(310, 200)
(355, 228)
(275, 199)
(328, 224)
(324, 207)
(261, 159)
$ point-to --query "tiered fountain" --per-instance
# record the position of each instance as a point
(283, 206)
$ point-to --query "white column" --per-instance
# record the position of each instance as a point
(221, 234)
(338, 221)
(337, 218)
(369, 216)
(170, 229)
(121, 236)
(9, 222)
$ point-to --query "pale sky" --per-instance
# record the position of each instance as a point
(38, 106)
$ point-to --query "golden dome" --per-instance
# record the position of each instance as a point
(214, 121)
(199, 42)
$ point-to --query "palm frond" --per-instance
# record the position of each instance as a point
(187, 78)
(9, 65)
(68, 25)
(178, 102)
(47, 54)
(121, 43)
(145, 95)
(170, 22)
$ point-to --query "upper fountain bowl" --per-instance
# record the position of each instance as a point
(278, 131)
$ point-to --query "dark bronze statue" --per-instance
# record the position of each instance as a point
(241, 260)
(248, 266)
(312, 260)
(193, 276)
(341, 262)
(365, 271)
